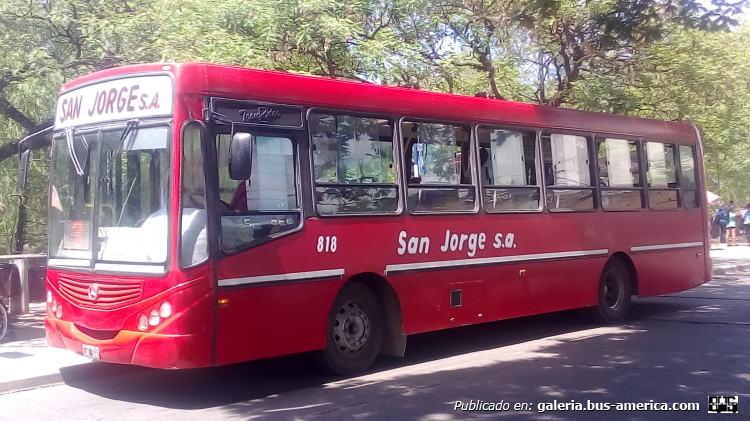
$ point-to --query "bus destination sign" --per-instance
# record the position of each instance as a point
(120, 99)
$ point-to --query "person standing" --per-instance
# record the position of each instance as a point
(720, 219)
(746, 221)
(731, 225)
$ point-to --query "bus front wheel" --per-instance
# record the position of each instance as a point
(614, 294)
(355, 331)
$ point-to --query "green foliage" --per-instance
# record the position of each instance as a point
(693, 76)
(652, 58)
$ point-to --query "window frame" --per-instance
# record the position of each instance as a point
(594, 188)
(296, 137)
(396, 150)
(476, 161)
(470, 127)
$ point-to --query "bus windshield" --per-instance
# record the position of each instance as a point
(109, 196)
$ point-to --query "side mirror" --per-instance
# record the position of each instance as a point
(241, 156)
(23, 168)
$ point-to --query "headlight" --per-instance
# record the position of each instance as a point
(153, 318)
(165, 310)
(49, 297)
(142, 322)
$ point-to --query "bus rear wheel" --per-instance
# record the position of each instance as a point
(3, 320)
(614, 294)
(355, 331)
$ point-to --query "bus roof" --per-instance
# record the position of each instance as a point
(288, 88)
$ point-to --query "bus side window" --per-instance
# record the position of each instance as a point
(661, 176)
(688, 180)
(353, 164)
(567, 168)
(264, 206)
(437, 161)
(507, 169)
(619, 174)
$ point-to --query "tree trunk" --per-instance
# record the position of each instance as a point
(20, 237)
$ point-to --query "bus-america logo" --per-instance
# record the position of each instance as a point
(133, 97)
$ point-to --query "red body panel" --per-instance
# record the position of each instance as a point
(300, 311)
(267, 320)
(200, 79)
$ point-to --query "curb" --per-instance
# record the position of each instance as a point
(70, 374)
(30, 383)
(729, 269)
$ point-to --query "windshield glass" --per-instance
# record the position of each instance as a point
(119, 192)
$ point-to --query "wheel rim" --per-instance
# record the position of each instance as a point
(351, 328)
(614, 291)
(3, 321)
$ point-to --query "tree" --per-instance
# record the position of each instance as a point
(45, 44)
(623, 56)
(704, 78)
(579, 40)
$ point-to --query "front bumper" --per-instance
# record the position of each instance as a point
(128, 347)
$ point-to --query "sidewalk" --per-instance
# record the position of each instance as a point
(728, 259)
(25, 359)
(27, 362)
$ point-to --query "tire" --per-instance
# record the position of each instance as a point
(3, 321)
(614, 294)
(355, 331)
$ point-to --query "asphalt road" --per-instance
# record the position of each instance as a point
(678, 349)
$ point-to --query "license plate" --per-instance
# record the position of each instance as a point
(91, 351)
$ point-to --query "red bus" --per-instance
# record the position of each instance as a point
(204, 215)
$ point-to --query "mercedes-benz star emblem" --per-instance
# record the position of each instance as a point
(94, 292)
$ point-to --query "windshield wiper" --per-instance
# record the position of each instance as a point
(71, 150)
(129, 127)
